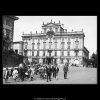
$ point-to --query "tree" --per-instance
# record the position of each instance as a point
(94, 60)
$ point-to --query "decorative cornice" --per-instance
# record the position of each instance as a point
(54, 50)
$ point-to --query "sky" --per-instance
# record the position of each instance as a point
(32, 24)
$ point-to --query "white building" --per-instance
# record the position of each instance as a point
(18, 47)
(55, 45)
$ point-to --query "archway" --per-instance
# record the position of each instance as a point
(76, 62)
(49, 60)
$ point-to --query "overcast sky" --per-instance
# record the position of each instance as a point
(32, 24)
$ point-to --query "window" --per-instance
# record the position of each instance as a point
(68, 53)
(33, 45)
(26, 45)
(76, 42)
(62, 39)
(44, 30)
(76, 54)
(62, 61)
(68, 39)
(33, 53)
(50, 43)
(38, 45)
(62, 45)
(55, 53)
(68, 47)
(37, 53)
(55, 45)
(76, 46)
(62, 53)
(44, 45)
(56, 29)
(16, 51)
(43, 53)
(68, 42)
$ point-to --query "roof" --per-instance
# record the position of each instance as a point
(17, 42)
(55, 34)
(86, 49)
(56, 24)
(13, 17)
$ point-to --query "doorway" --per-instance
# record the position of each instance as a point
(49, 60)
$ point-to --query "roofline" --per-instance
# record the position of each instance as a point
(18, 42)
(86, 49)
(13, 17)
(43, 35)
(51, 23)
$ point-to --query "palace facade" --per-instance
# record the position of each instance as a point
(55, 45)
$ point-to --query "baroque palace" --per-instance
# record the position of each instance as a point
(55, 45)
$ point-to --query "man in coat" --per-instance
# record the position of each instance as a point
(65, 69)
(48, 71)
(6, 75)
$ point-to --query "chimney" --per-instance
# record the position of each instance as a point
(82, 29)
(51, 20)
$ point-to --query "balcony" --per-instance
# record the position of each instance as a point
(76, 49)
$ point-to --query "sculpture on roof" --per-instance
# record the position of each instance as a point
(51, 20)
(59, 21)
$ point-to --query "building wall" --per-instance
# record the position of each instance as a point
(8, 26)
(19, 47)
(53, 47)
(68, 53)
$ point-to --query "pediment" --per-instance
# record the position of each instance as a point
(50, 24)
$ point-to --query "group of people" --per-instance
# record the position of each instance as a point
(23, 71)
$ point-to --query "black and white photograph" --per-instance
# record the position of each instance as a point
(49, 50)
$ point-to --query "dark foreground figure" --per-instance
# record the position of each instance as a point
(65, 69)
(48, 71)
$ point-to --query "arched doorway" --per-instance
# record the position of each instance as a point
(49, 60)
(76, 62)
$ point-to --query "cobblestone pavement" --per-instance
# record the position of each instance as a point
(76, 75)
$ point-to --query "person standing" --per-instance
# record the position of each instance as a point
(65, 69)
(48, 71)
(15, 74)
(57, 70)
(54, 72)
(6, 75)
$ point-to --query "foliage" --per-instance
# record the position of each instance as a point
(94, 60)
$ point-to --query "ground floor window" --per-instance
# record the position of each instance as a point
(61, 61)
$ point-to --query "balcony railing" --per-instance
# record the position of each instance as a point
(76, 49)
